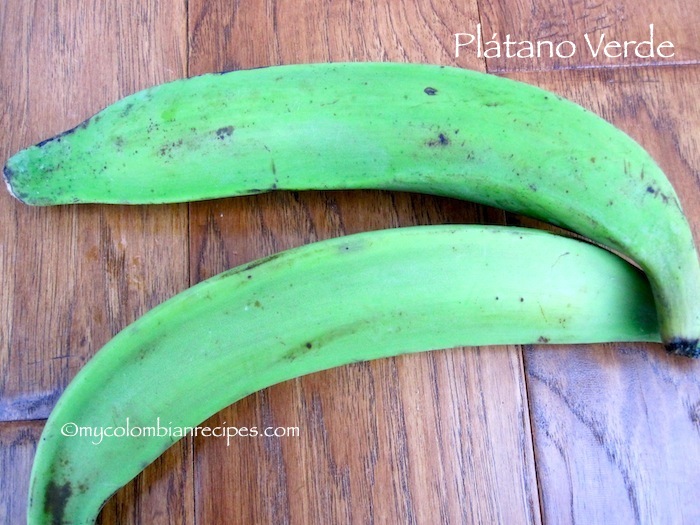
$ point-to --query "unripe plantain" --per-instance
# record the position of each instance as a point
(323, 305)
(411, 127)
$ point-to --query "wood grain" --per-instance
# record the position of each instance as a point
(616, 434)
(17, 446)
(234, 35)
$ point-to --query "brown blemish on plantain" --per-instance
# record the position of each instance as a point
(430, 91)
(127, 109)
(56, 500)
(167, 149)
(542, 339)
(60, 136)
(258, 262)
(298, 351)
(224, 132)
(656, 193)
(321, 341)
(441, 140)
(144, 351)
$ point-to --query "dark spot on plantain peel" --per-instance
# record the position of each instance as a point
(57, 497)
(441, 140)
(298, 351)
(224, 132)
(256, 263)
(684, 347)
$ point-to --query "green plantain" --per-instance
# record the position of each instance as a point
(339, 301)
(410, 127)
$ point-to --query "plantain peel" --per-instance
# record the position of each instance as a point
(409, 127)
(323, 305)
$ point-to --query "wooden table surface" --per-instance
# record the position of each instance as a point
(554, 434)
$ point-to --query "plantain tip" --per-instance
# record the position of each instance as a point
(684, 347)
(8, 174)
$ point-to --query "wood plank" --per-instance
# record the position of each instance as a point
(558, 22)
(17, 446)
(74, 276)
(399, 440)
(616, 434)
(616, 426)
(227, 36)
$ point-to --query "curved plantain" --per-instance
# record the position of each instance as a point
(410, 127)
(323, 305)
